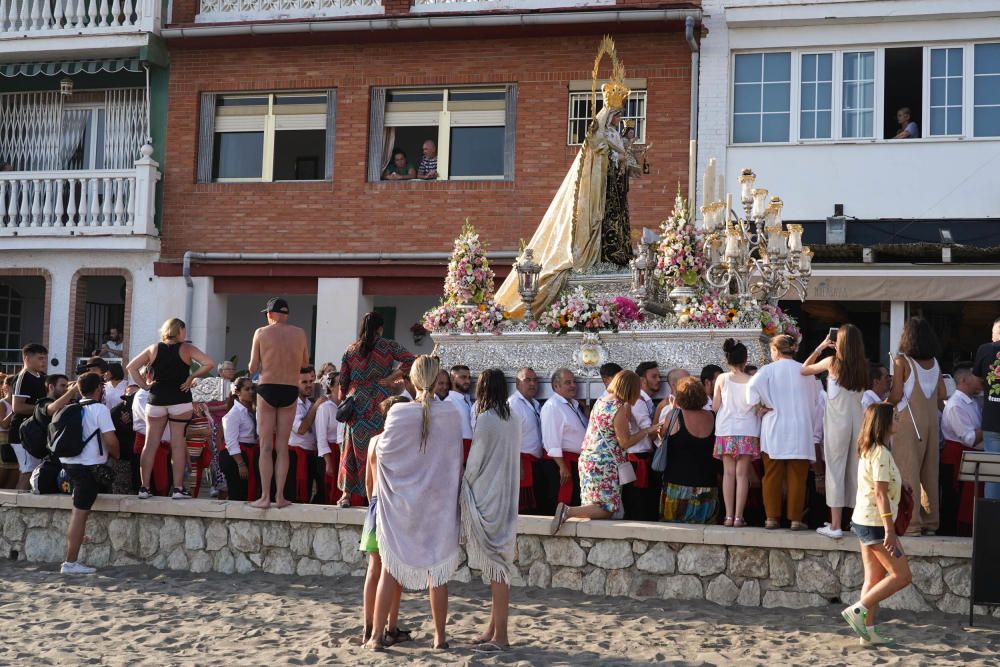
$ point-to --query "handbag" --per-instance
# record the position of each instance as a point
(904, 511)
(659, 463)
(626, 473)
(346, 410)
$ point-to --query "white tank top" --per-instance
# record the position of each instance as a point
(927, 377)
(736, 416)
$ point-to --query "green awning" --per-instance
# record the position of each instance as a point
(71, 67)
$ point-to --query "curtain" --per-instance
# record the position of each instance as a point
(388, 146)
(206, 137)
(74, 126)
(376, 137)
(510, 128)
(331, 131)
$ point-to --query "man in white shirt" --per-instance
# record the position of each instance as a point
(100, 442)
(674, 375)
(522, 403)
(563, 428)
(302, 459)
(880, 381)
(460, 395)
(962, 430)
(115, 386)
(638, 497)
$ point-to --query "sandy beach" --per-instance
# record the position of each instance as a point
(142, 616)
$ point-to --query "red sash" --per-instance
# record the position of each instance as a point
(138, 443)
(952, 455)
(333, 493)
(250, 453)
(161, 469)
(527, 470)
(565, 494)
(466, 447)
(301, 474)
(641, 463)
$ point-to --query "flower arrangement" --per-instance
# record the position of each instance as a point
(680, 259)
(579, 311)
(707, 312)
(470, 278)
(467, 305)
(774, 321)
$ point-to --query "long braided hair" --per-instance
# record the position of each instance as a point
(423, 375)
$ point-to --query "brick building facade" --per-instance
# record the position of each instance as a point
(352, 213)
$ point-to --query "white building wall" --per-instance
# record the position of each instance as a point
(923, 178)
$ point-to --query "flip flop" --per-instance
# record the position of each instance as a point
(490, 647)
(771, 524)
(558, 519)
(396, 637)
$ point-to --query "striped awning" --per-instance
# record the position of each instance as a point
(71, 67)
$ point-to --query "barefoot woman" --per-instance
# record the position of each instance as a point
(279, 352)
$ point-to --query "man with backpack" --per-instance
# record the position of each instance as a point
(82, 436)
(35, 431)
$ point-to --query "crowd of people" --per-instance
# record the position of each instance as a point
(741, 446)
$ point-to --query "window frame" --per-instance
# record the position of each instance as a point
(585, 95)
(795, 138)
(445, 126)
(793, 97)
(796, 95)
(208, 131)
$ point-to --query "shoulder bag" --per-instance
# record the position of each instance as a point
(659, 463)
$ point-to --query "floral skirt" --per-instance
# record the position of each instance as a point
(736, 445)
(688, 504)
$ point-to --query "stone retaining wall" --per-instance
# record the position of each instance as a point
(747, 567)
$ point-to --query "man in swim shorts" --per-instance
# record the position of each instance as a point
(279, 352)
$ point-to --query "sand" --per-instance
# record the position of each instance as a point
(142, 616)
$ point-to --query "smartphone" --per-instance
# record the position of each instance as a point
(897, 552)
(833, 334)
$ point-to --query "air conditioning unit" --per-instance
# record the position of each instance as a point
(836, 230)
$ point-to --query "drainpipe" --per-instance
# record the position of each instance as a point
(695, 70)
(305, 257)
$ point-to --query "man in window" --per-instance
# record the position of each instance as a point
(428, 167)
(399, 169)
(907, 128)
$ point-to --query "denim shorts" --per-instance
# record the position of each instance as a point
(869, 535)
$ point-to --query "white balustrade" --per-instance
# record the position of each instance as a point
(79, 202)
(236, 10)
(53, 17)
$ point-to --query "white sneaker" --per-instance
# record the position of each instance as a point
(876, 638)
(828, 531)
(76, 568)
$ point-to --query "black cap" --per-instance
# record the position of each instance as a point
(97, 362)
(276, 305)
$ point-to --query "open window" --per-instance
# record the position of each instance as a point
(903, 89)
(267, 137)
(469, 132)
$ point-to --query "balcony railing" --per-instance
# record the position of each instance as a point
(80, 203)
(419, 6)
(214, 11)
(20, 18)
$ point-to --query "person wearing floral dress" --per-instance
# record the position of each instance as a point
(367, 376)
(608, 436)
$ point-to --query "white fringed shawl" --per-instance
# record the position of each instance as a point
(490, 491)
(417, 524)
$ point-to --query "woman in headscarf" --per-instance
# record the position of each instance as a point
(417, 527)
(489, 499)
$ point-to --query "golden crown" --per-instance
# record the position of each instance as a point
(614, 92)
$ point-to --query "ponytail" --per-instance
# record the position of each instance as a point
(423, 375)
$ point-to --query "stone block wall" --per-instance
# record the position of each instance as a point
(745, 567)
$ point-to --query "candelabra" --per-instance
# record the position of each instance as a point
(754, 256)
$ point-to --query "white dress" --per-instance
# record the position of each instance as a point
(841, 426)
(786, 432)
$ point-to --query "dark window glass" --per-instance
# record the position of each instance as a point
(238, 155)
(476, 151)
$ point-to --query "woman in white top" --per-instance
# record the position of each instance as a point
(846, 384)
(918, 392)
(239, 428)
(786, 430)
(737, 431)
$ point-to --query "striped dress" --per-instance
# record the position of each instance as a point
(359, 377)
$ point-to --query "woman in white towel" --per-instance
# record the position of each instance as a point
(490, 493)
(417, 525)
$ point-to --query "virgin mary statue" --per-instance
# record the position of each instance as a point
(587, 221)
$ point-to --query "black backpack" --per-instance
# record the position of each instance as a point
(66, 437)
(34, 431)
